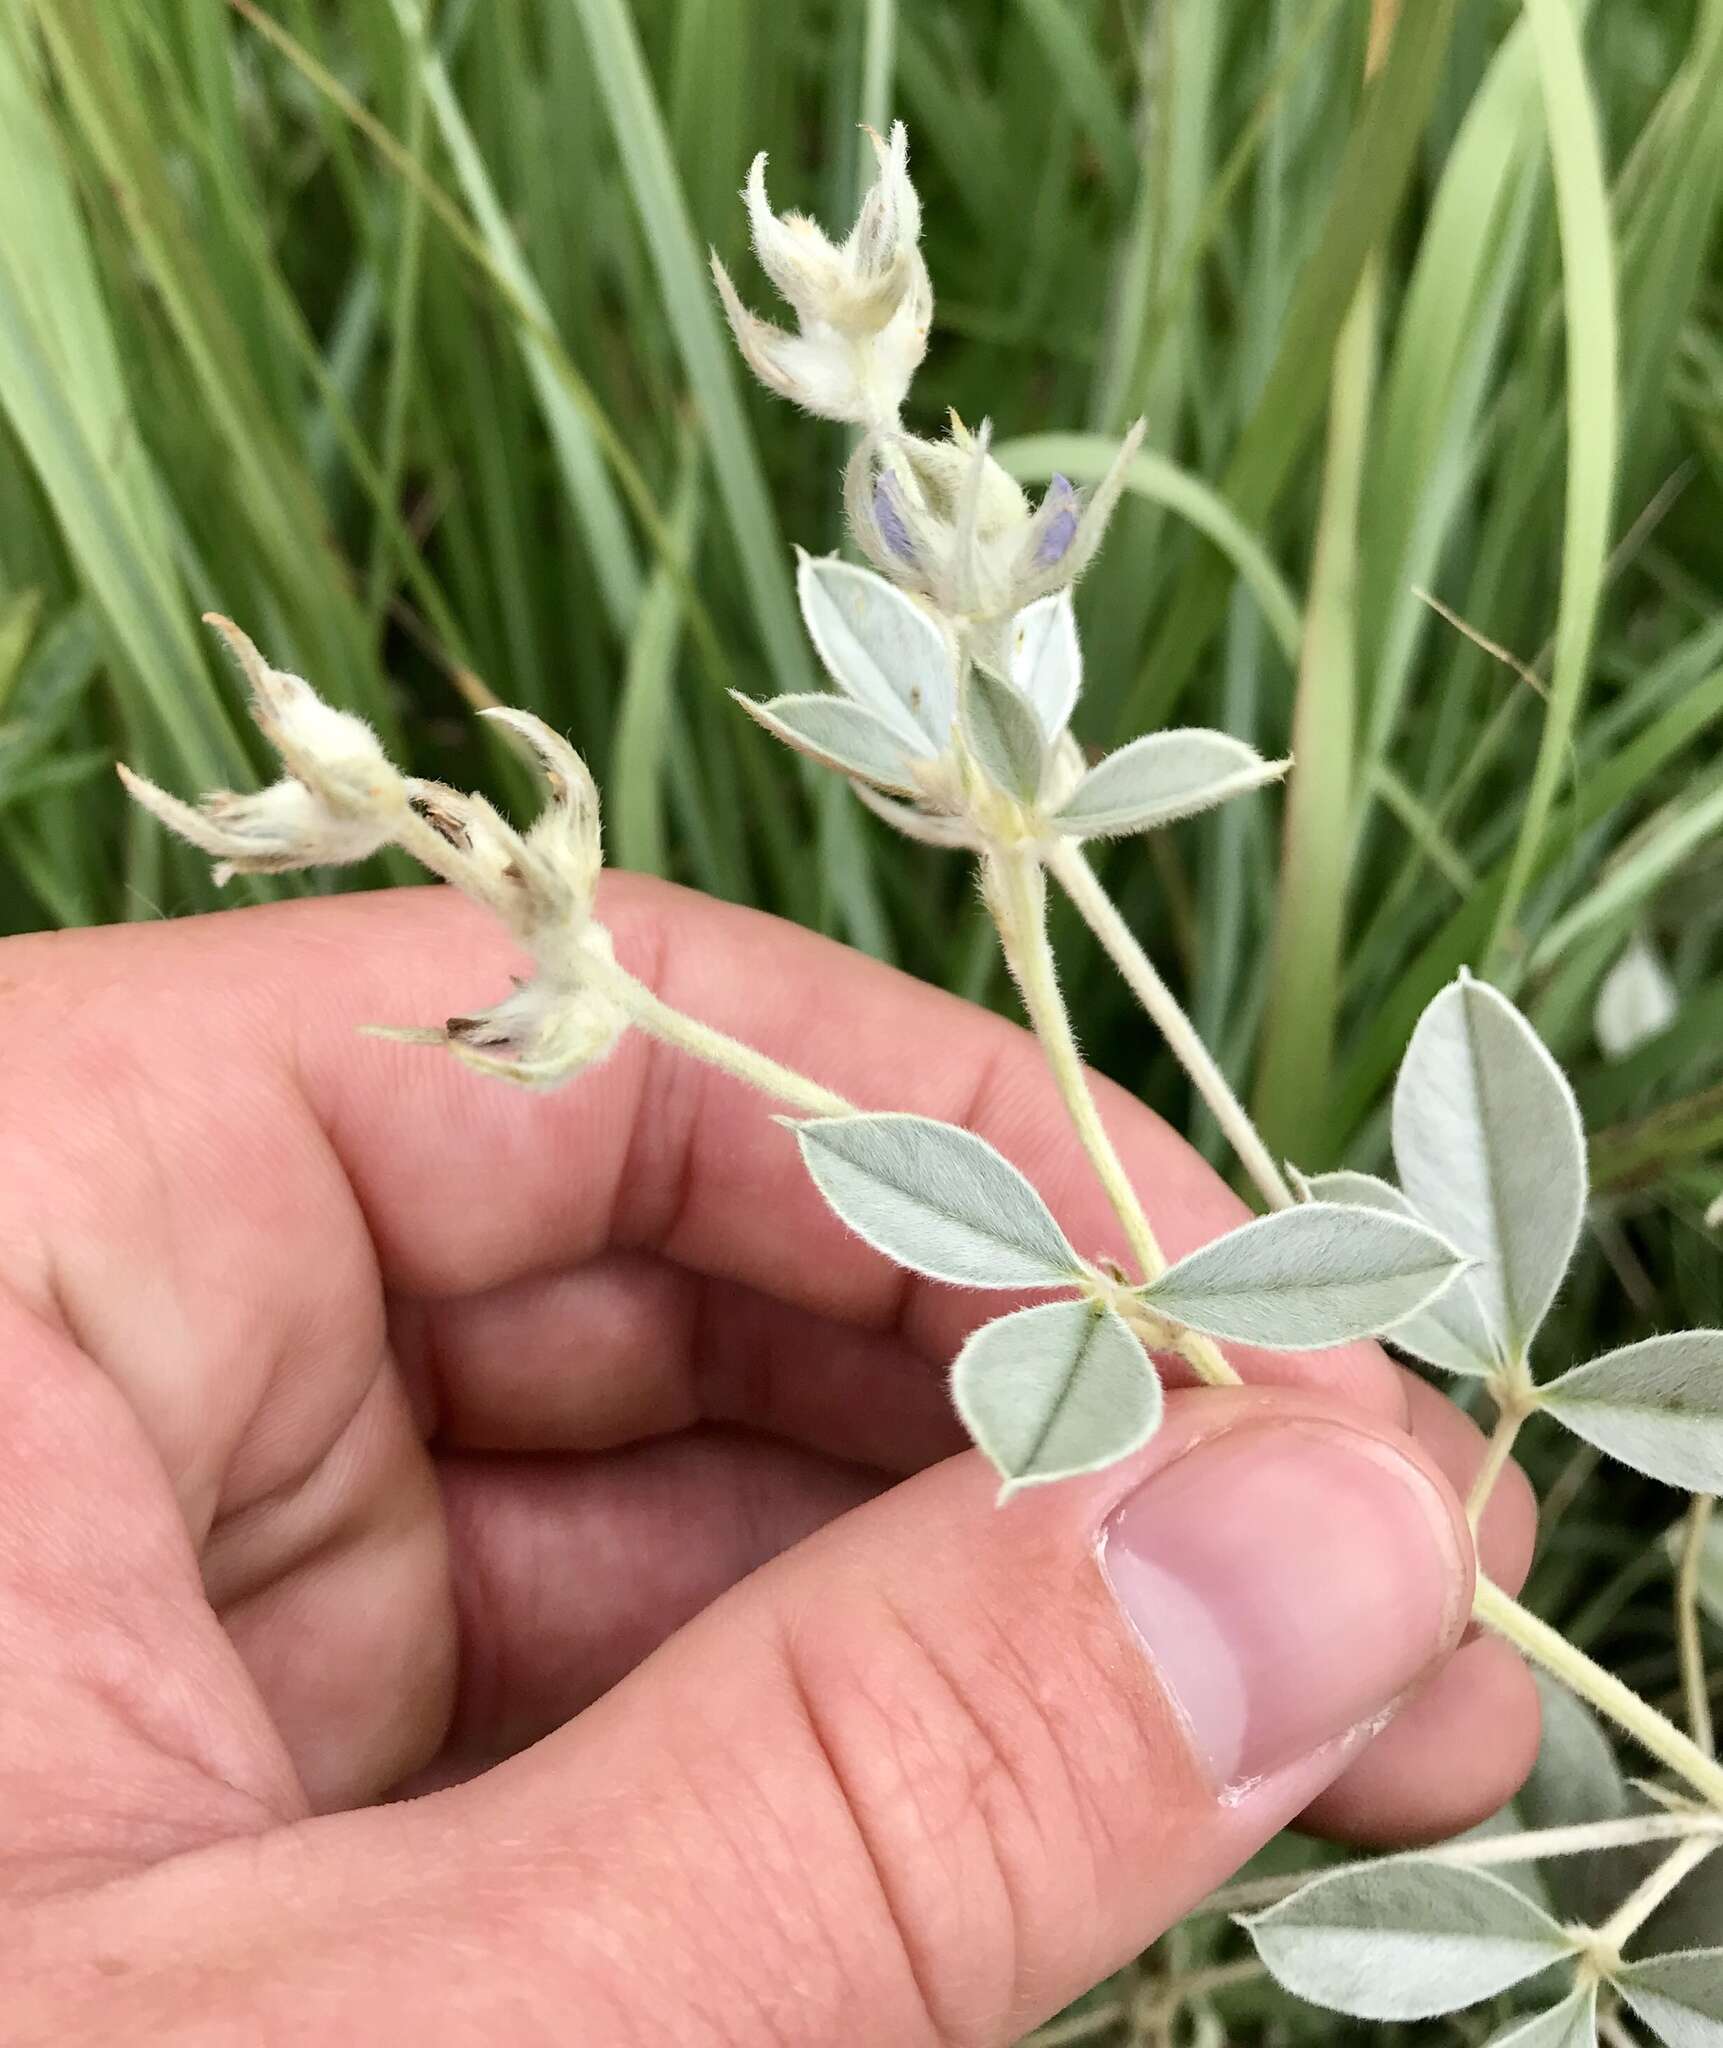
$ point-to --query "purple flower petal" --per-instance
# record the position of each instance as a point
(1059, 510)
(890, 520)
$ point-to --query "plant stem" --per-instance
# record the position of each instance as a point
(1083, 2026)
(1065, 860)
(1599, 1688)
(1017, 895)
(1694, 1683)
(1510, 1418)
(718, 1049)
(1639, 1906)
(1486, 1852)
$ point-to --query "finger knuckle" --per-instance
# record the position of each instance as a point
(953, 1763)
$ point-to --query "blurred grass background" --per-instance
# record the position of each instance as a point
(385, 329)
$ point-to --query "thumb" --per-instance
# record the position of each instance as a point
(922, 1780)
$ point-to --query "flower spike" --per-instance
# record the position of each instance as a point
(863, 307)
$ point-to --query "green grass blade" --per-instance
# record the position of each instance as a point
(1593, 416)
(585, 476)
(691, 308)
(1379, 160)
(647, 718)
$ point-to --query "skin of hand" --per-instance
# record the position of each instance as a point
(484, 1567)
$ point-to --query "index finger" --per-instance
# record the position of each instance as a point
(467, 1184)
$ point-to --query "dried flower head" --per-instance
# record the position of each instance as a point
(339, 801)
(863, 307)
(342, 800)
(943, 519)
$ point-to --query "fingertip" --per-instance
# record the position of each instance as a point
(1454, 1755)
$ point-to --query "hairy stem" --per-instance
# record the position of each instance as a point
(1066, 862)
(1695, 1684)
(1601, 1689)
(717, 1049)
(1082, 2026)
(1017, 895)
(1640, 1904)
(1510, 1418)
(1487, 1852)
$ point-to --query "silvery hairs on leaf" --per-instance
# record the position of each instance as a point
(885, 652)
(1044, 660)
(837, 734)
(1307, 1277)
(1637, 1001)
(1577, 1779)
(1159, 778)
(1679, 1997)
(1451, 1333)
(938, 1200)
(1055, 1390)
(890, 727)
(342, 800)
(1656, 1405)
(1490, 1151)
(1004, 736)
(863, 307)
(1406, 1939)
(1572, 2024)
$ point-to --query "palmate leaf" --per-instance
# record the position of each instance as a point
(1657, 1406)
(1578, 1778)
(1406, 1939)
(841, 735)
(1451, 1333)
(1304, 1278)
(1572, 2024)
(1490, 1152)
(1159, 778)
(1046, 661)
(1679, 1997)
(879, 647)
(938, 1199)
(1055, 1390)
(1004, 735)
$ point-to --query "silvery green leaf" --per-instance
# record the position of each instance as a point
(1636, 1002)
(1489, 1148)
(1577, 1778)
(1451, 1333)
(1572, 2024)
(1405, 1939)
(880, 647)
(1657, 1406)
(937, 1199)
(1004, 735)
(1679, 1997)
(1054, 1390)
(1307, 1277)
(1046, 661)
(1163, 776)
(838, 733)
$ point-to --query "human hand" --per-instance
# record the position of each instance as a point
(364, 1422)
